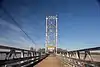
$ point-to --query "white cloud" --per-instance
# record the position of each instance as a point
(11, 26)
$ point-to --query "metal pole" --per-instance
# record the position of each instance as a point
(56, 34)
(46, 37)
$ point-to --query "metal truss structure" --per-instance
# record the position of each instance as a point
(82, 58)
(51, 33)
(16, 57)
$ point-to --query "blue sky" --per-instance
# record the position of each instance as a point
(79, 22)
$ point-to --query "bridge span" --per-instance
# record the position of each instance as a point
(16, 57)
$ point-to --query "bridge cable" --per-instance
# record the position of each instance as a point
(12, 18)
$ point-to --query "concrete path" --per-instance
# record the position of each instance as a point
(50, 61)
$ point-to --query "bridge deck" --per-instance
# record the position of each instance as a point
(50, 61)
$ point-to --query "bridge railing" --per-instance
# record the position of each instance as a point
(83, 58)
(16, 57)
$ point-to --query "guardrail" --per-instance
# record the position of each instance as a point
(83, 58)
(16, 57)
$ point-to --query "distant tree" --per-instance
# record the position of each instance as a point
(60, 50)
(41, 50)
(32, 49)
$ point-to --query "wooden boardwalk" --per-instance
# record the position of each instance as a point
(50, 61)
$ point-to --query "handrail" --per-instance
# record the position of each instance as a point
(83, 57)
(17, 56)
(90, 49)
(7, 47)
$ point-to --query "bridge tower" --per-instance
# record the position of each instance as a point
(51, 34)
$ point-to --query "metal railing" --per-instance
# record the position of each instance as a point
(16, 57)
(83, 58)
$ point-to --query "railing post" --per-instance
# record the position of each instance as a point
(12, 52)
(22, 54)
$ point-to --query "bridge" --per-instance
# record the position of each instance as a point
(16, 57)
(52, 56)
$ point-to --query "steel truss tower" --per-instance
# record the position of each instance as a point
(51, 33)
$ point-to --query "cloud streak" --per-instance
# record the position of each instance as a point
(11, 35)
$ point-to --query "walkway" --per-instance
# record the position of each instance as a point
(50, 61)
